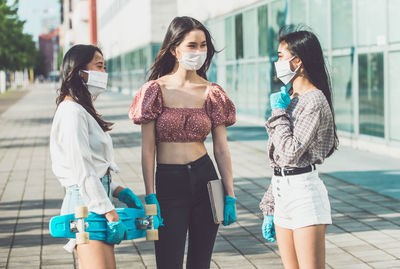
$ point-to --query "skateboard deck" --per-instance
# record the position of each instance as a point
(135, 220)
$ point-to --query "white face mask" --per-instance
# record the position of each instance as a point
(193, 60)
(283, 71)
(97, 82)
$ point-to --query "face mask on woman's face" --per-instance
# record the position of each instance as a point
(283, 71)
(193, 60)
(96, 83)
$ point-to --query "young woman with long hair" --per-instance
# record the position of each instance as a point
(177, 108)
(82, 153)
(302, 133)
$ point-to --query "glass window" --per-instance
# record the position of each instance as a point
(239, 36)
(250, 82)
(262, 15)
(277, 21)
(342, 24)
(297, 12)
(231, 83)
(394, 95)
(371, 95)
(241, 97)
(342, 82)
(319, 20)
(263, 89)
(394, 20)
(154, 50)
(250, 33)
(371, 22)
(229, 37)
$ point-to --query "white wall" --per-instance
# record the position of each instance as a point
(79, 34)
(207, 9)
(125, 25)
(2, 81)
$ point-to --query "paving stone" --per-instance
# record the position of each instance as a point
(365, 234)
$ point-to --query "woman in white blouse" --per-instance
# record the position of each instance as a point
(82, 153)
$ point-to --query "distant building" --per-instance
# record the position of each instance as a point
(360, 39)
(79, 23)
(49, 46)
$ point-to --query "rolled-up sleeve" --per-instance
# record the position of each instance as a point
(76, 139)
(289, 142)
(267, 204)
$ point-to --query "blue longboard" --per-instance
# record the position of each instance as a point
(135, 220)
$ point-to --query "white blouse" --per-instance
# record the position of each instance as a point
(81, 152)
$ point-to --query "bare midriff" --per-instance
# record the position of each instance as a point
(179, 153)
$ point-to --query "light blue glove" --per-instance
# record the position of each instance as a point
(268, 228)
(152, 199)
(280, 99)
(130, 199)
(229, 211)
(116, 232)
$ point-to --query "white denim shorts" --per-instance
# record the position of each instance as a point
(300, 201)
(73, 199)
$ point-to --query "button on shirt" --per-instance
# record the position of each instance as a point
(81, 153)
(301, 135)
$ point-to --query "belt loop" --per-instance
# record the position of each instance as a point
(282, 172)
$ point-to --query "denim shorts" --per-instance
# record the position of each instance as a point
(300, 201)
(73, 198)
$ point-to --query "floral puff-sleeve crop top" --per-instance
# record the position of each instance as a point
(182, 124)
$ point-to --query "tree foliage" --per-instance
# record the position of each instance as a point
(17, 49)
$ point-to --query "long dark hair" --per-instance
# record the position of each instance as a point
(305, 45)
(76, 59)
(178, 28)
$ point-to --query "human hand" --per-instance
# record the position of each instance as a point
(116, 232)
(268, 228)
(229, 210)
(152, 199)
(130, 199)
(280, 99)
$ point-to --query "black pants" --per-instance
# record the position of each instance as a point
(185, 206)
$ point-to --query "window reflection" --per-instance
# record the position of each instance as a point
(371, 97)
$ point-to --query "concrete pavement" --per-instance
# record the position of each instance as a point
(363, 190)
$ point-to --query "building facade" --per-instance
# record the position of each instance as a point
(49, 46)
(78, 23)
(130, 33)
(360, 40)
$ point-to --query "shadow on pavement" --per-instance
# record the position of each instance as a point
(31, 204)
(385, 182)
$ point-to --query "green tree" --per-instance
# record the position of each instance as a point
(17, 49)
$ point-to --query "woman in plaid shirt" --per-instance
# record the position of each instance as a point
(302, 133)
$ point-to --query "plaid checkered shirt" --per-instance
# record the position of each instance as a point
(301, 135)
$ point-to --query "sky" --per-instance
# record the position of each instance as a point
(34, 11)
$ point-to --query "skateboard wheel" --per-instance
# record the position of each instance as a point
(151, 235)
(150, 210)
(81, 212)
(82, 238)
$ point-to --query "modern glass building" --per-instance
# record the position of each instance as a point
(361, 43)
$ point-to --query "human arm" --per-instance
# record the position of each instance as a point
(267, 202)
(75, 136)
(290, 142)
(223, 158)
(148, 155)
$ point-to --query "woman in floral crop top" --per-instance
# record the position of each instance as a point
(177, 109)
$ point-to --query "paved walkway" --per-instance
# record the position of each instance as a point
(365, 233)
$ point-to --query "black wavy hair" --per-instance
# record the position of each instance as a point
(178, 28)
(305, 45)
(76, 59)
